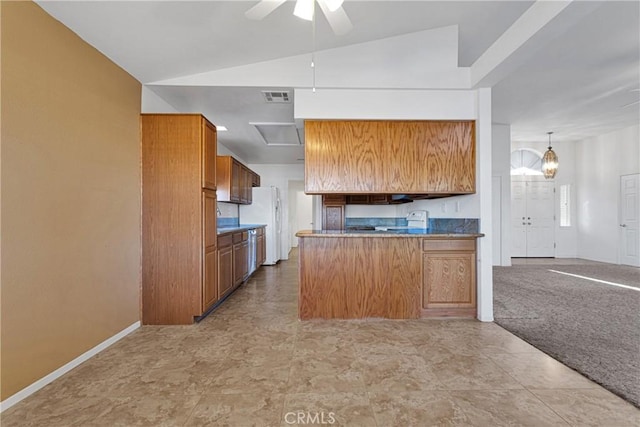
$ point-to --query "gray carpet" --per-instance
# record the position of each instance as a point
(590, 327)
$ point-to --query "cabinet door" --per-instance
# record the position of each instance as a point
(255, 179)
(392, 157)
(210, 288)
(333, 218)
(239, 262)
(209, 218)
(449, 280)
(379, 199)
(245, 264)
(225, 270)
(245, 186)
(236, 181)
(261, 253)
(209, 157)
(358, 199)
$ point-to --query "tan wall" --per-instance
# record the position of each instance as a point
(70, 196)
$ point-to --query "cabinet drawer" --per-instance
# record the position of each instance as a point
(240, 236)
(448, 245)
(259, 231)
(225, 240)
(328, 199)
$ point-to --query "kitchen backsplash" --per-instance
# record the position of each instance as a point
(228, 215)
(447, 225)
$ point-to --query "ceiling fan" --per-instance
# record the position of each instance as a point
(332, 9)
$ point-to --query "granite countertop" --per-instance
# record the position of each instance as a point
(411, 232)
(241, 227)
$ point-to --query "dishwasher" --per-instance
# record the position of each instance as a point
(253, 251)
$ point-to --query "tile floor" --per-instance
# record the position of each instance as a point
(252, 363)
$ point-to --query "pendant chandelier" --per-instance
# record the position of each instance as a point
(549, 161)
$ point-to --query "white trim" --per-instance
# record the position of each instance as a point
(484, 188)
(30, 389)
(597, 280)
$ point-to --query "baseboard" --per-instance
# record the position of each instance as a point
(30, 389)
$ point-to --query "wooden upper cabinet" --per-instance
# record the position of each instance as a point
(392, 157)
(246, 195)
(255, 179)
(209, 157)
(234, 181)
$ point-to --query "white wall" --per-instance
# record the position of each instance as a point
(279, 176)
(300, 210)
(566, 238)
(501, 169)
(152, 103)
(600, 162)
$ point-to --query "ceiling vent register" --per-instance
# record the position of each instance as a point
(276, 97)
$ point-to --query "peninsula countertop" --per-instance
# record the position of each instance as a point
(404, 232)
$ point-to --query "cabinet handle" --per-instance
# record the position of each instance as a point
(528, 223)
(623, 225)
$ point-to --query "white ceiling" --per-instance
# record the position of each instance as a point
(573, 78)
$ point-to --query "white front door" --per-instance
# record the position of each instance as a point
(532, 218)
(540, 219)
(629, 219)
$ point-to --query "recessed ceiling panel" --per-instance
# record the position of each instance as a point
(278, 133)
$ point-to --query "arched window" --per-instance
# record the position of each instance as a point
(526, 161)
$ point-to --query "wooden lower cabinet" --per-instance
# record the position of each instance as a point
(210, 287)
(383, 277)
(225, 265)
(261, 243)
(449, 277)
(240, 257)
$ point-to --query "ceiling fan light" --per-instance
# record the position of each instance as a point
(333, 5)
(304, 9)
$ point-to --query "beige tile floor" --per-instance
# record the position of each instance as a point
(252, 363)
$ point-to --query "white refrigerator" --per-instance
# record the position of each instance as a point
(265, 209)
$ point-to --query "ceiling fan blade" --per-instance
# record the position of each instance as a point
(338, 19)
(262, 9)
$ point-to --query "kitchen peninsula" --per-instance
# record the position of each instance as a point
(396, 274)
(407, 273)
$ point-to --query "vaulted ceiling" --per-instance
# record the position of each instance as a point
(572, 67)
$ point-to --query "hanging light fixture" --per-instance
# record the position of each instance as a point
(549, 161)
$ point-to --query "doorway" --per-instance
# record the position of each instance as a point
(532, 218)
(300, 211)
(629, 220)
